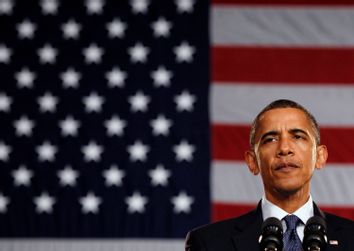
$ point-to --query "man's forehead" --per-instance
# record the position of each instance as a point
(284, 115)
(284, 118)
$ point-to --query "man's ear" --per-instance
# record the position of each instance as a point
(251, 161)
(322, 155)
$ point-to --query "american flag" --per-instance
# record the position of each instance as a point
(293, 49)
(105, 105)
(104, 127)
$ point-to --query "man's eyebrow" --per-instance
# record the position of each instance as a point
(298, 130)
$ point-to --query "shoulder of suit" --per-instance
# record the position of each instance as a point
(339, 221)
(225, 225)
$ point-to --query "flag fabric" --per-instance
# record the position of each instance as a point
(104, 133)
(105, 105)
(268, 50)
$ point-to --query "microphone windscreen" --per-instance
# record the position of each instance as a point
(315, 234)
(316, 220)
(272, 221)
(271, 237)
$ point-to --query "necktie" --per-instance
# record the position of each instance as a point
(291, 240)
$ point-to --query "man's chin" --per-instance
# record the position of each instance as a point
(288, 190)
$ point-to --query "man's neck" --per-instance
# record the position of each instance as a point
(289, 203)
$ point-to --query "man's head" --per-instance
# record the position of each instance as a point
(284, 103)
(285, 149)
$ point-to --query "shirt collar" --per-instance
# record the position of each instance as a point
(269, 209)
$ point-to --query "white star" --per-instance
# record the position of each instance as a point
(161, 77)
(48, 102)
(4, 201)
(44, 203)
(93, 54)
(47, 54)
(69, 126)
(182, 203)
(70, 78)
(46, 151)
(138, 53)
(136, 203)
(92, 151)
(68, 176)
(23, 126)
(159, 176)
(90, 203)
(49, 6)
(5, 102)
(94, 6)
(116, 28)
(185, 5)
(22, 176)
(26, 29)
(6, 7)
(25, 78)
(71, 29)
(93, 102)
(113, 176)
(116, 77)
(5, 150)
(138, 151)
(161, 27)
(5, 54)
(184, 52)
(184, 151)
(139, 6)
(160, 125)
(185, 101)
(115, 126)
(139, 102)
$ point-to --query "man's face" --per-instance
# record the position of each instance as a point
(285, 152)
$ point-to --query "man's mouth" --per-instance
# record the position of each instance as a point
(286, 166)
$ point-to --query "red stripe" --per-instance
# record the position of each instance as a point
(284, 2)
(231, 141)
(223, 211)
(340, 144)
(283, 65)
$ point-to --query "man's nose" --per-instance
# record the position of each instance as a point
(284, 147)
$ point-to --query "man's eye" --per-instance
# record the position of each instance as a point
(267, 140)
(298, 137)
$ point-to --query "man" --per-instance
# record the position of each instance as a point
(285, 151)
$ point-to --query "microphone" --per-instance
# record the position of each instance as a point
(315, 234)
(271, 238)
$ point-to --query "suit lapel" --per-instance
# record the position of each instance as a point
(334, 236)
(334, 231)
(248, 230)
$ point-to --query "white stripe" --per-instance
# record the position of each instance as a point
(334, 185)
(233, 183)
(285, 26)
(90, 245)
(240, 103)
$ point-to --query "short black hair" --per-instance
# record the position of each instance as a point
(284, 103)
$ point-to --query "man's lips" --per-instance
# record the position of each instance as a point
(286, 165)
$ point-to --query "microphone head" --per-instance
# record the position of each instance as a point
(271, 235)
(315, 234)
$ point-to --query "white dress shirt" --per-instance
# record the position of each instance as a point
(304, 213)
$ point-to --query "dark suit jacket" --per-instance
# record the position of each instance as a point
(242, 233)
